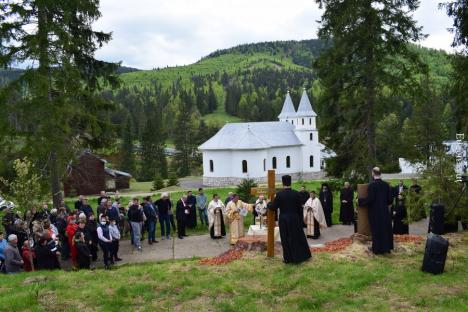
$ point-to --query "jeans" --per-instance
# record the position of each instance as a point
(203, 216)
(136, 232)
(165, 222)
(151, 224)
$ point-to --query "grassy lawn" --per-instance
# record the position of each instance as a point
(330, 282)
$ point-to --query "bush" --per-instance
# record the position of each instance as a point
(158, 183)
(173, 181)
(243, 190)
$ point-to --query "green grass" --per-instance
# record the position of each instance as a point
(254, 283)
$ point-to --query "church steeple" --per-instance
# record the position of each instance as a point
(305, 108)
(288, 111)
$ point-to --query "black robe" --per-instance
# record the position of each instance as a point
(400, 222)
(46, 259)
(326, 198)
(181, 217)
(379, 197)
(294, 242)
(191, 221)
(83, 255)
(346, 209)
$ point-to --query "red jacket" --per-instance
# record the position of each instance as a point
(27, 256)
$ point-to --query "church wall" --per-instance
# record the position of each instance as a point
(231, 181)
(310, 148)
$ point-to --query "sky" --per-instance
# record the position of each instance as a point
(158, 33)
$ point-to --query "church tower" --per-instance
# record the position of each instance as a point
(288, 113)
(306, 131)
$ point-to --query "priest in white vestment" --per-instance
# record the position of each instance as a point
(236, 210)
(216, 212)
(314, 217)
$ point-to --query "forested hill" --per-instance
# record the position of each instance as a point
(247, 82)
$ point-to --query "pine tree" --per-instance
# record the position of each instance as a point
(184, 135)
(212, 102)
(126, 149)
(153, 157)
(368, 54)
(59, 111)
(458, 10)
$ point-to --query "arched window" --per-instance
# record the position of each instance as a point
(264, 164)
(292, 121)
(311, 136)
(288, 162)
(311, 161)
(244, 166)
(302, 121)
(211, 166)
(273, 162)
(310, 121)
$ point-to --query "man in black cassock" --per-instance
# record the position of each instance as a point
(192, 217)
(378, 200)
(347, 206)
(305, 195)
(326, 199)
(182, 216)
(294, 242)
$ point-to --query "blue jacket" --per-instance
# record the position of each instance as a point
(3, 244)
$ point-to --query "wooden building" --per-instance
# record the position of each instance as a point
(90, 175)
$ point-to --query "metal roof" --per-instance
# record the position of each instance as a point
(305, 108)
(253, 135)
(288, 108)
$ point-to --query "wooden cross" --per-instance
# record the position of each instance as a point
(271, 191)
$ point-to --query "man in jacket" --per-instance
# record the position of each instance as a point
(13, 260)
(151, 218)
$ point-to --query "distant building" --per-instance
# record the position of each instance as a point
(452, 147)
(89, 175)
(247, 150)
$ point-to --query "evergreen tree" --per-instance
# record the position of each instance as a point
(458, 10)
(59, 110)
(153, 157)
(126, 149)
(184, 135)
(368, 53)
(212, 102)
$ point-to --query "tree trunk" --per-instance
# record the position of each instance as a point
(55, 180)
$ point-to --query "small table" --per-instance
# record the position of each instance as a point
(255, 230)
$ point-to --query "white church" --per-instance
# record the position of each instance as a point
(247, 150)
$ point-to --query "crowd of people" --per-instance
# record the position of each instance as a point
(42, 237)
(39, 238)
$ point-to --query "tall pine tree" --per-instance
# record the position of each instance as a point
(59, 111)
(368, 54)
(127, 162)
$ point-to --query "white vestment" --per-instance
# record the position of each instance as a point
(313, 209)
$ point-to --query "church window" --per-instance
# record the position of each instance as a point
(244, 166)
(311, 161)
(302, 121)
(292, 121)
(288, 162)
(310, 121)
(264, 164)
(211, 165)
(311, 136)
(273, 162)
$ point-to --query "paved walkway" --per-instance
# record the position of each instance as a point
(204, 246)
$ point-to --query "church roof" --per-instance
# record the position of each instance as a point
(305, 108)
(288, 108)
(252, 135)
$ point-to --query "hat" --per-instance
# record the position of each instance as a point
(286, 180)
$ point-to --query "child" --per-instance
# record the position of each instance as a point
(83, 254)
(28, 256)
(115, 236)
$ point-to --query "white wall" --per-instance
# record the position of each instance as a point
(294, 152)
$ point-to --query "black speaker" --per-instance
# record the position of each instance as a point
(435, 254)
(436, 219)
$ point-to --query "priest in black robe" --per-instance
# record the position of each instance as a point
(326, 198)
(192, 217)
(346, 204)
(294, 242)
(378, 200)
